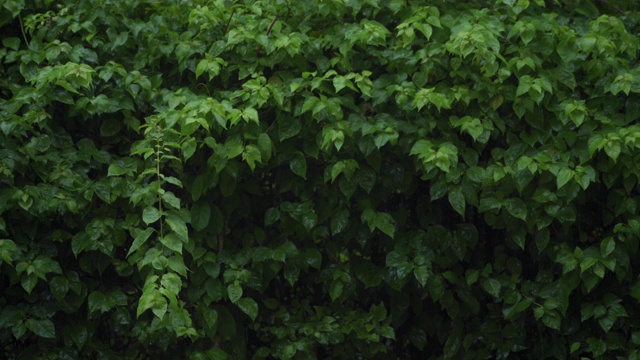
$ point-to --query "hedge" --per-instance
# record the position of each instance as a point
(311, 179)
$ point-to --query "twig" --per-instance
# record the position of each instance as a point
(226, 28)
(271, 25)
(268, 32)
(614, 7)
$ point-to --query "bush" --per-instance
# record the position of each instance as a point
(313, 179)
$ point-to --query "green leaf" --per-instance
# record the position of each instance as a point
(607, 246)
(299, 165)
(79, 335)
(564, 175)
(552, 320)
(517, 208)
(43, 328)
(59, 286)
(8, 250)
(235, 292)
(265, 146)
(249, 307)
(150, 215)
(335, 290)
(517, 308)
(189, 148)
(476, 174)
(170, 199)
(177, 225)
(28, 282)
(228, 183)
(97, 302)
(271, 216)
(309, 104)
(110, 127)
(612, 149)
(519, 237)
(116, 169)
(438, 190)
(176, 264)
(492, 286)
(457, 201)
(339, 221)
(141, 238)
(288, 127)
(385, 223)
(251, 155)
(200, 215)
(172, 241)
(422, 274)
(12, 43)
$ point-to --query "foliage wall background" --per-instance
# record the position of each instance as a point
(306, 179)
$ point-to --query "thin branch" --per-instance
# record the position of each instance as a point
(271, 25)
(226, 28)
(268, 32)
(614, 7)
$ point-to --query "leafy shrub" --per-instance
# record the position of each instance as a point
(312, 179)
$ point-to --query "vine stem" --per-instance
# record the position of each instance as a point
(22, 30)
(530, 299)
(158, 147)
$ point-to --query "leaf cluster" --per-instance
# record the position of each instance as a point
(213, 179)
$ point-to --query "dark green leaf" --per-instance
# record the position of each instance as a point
(457, 201)
(249, 307)
(43, 328)
(299, 165)
(517, 208)
(200, 215)
(492, 286)
(235, 292)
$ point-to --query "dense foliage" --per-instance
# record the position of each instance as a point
(210, 179)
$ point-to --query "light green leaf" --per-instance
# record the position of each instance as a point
(177, 225)
(150, 215)
(172, 241)
(189, 148)
(251, 155)
(140, 239)
(612, 148)
(170, 199)
(564, 175)
(8, 249)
